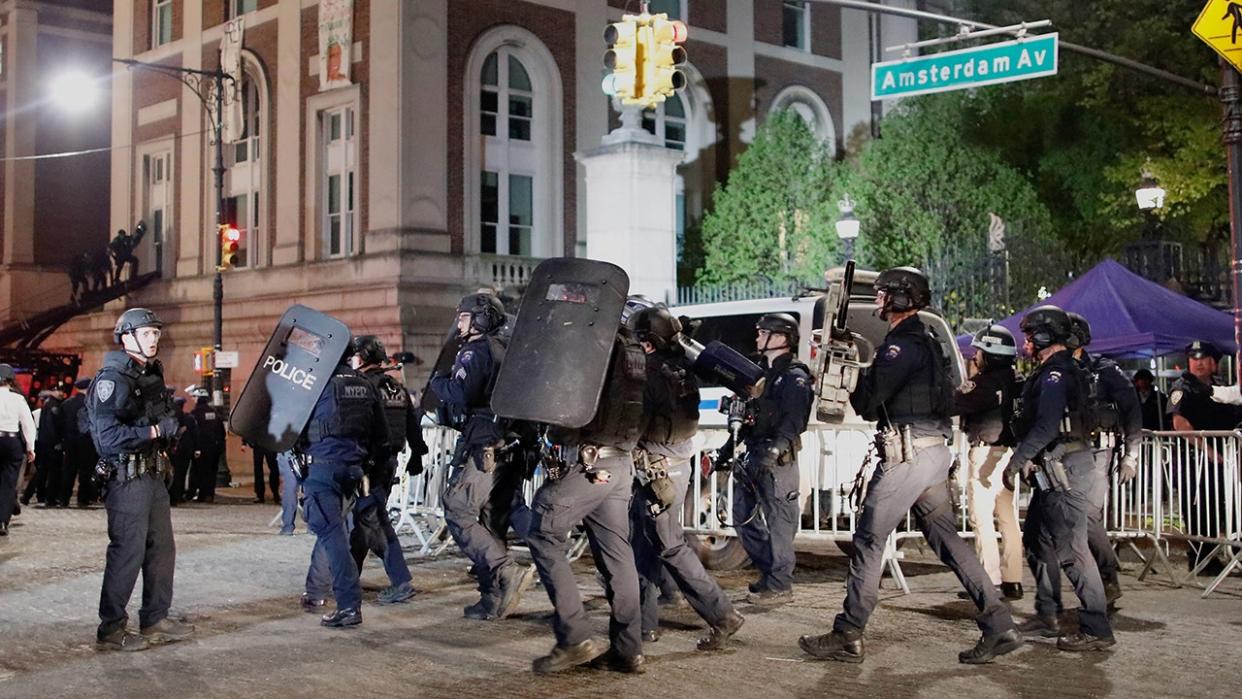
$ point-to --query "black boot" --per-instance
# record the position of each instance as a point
(614, 661)
(565, 657)
(719, 635)
(990, 646)
(341, 618)
(1011, 591)
(834, 646)
(1042, 626)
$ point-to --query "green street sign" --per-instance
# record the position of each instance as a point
(1009, 61)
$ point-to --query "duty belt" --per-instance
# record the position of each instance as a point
(10, 434)
(588, 454)
(926, 442)
(132, 466)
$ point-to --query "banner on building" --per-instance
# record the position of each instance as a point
(336, 40)
(233, 124)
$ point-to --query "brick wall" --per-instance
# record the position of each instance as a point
(826, 31)
(777, 75)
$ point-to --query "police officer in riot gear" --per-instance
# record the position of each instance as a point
(466, 396)
(1115, 405)
(595, 489)
(665, 453)
(1055, 453)
(907, 391)
(766, 508)
(132, 420)
(985, 402)
(347, 428)
(403, 426)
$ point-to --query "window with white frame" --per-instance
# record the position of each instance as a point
(507, 183)
(237, 8)
(244, 185)
(808, 105)
(338, 182)
(246, 147)
(161, 22)
(157, 196)
(668, 122)
(675, 9)
(796, 24)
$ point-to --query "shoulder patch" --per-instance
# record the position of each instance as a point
(800, 381)
(893, 352)
(1053, 377)
(1175, 397)
(104, 389)
(466, 356)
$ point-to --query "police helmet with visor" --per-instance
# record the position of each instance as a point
(369, 349)
(486, 311)
(904, 289)
(134, 319)
(995, 341)
(780, 324)
(656, 325)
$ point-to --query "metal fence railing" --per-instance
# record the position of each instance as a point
(1187, 490)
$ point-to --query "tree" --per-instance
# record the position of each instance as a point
(774, 217)
(924, 193)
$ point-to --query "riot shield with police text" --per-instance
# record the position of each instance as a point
(292, 372)
(557, 361)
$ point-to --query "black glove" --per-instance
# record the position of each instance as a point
(414, 466)
(725, 453)
(167, 427)
(768, 457)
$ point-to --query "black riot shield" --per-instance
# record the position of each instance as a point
(428, 401)
(292, 372)
(557, 361)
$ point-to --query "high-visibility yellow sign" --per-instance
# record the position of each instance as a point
(1220, 26)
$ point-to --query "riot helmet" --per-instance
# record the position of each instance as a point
(904, 289)
(368, 349)
(1046, 326)
(996, 342)
(780, 324)
(1080, 331)
(486, 311)
(7, 375)
(655, 324)
(133, 319)
(633, 304)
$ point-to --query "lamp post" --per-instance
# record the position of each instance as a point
(208, 86)
(1150, 194)
(847, 226)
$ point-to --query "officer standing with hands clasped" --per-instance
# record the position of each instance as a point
(1116, 410)
(132, 421)
(466, 392)
(345, 429)
(908, 392)
(664, 462)
(1054, 452)
(766, 508)
(17, 430)
(985, 402)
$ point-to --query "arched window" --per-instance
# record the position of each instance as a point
(245, 179)
(513, 182)
(668, 122)
(808, 105)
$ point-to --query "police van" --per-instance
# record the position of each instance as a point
(832, 453)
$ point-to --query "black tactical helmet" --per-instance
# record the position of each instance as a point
(7, 374)
(655, 325)
(905, 289)
(1046, 326)
(1080, 331)
(133, 319)
(486, 311)
(996, 340)
(780, 324)
(369, 349)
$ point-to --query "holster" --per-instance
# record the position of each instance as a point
(128, 467)
(652, 474)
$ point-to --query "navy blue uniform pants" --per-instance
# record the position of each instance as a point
(561, 504)
(326, 487)
(273, 473)
(894, 490)
(140, 540)
(1055, 539)
(769, 535)
(660, 549)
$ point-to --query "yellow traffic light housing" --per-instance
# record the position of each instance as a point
(621, 59)
(643, 56)
(661, 58)
(230, 244)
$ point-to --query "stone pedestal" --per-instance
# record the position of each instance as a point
(631, 207)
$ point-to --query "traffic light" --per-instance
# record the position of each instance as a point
(230, 244)
(662, 55)
(204, 361)
(622, 59)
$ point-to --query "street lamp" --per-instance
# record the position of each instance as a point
(847, 226)
(74, 91)
(1150, 194)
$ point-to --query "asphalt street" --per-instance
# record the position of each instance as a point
(239, 583)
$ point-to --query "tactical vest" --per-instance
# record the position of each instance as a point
(678, 419)
(396, 402)
(767, 407)
(351, 404)
(618, 417)
(1105, 410)
(1077, 423)
(929, 394)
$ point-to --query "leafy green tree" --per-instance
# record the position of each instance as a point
(774, 217)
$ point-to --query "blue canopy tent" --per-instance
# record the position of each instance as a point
(1131, 317)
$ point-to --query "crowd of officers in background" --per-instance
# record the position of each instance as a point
(97, 269)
